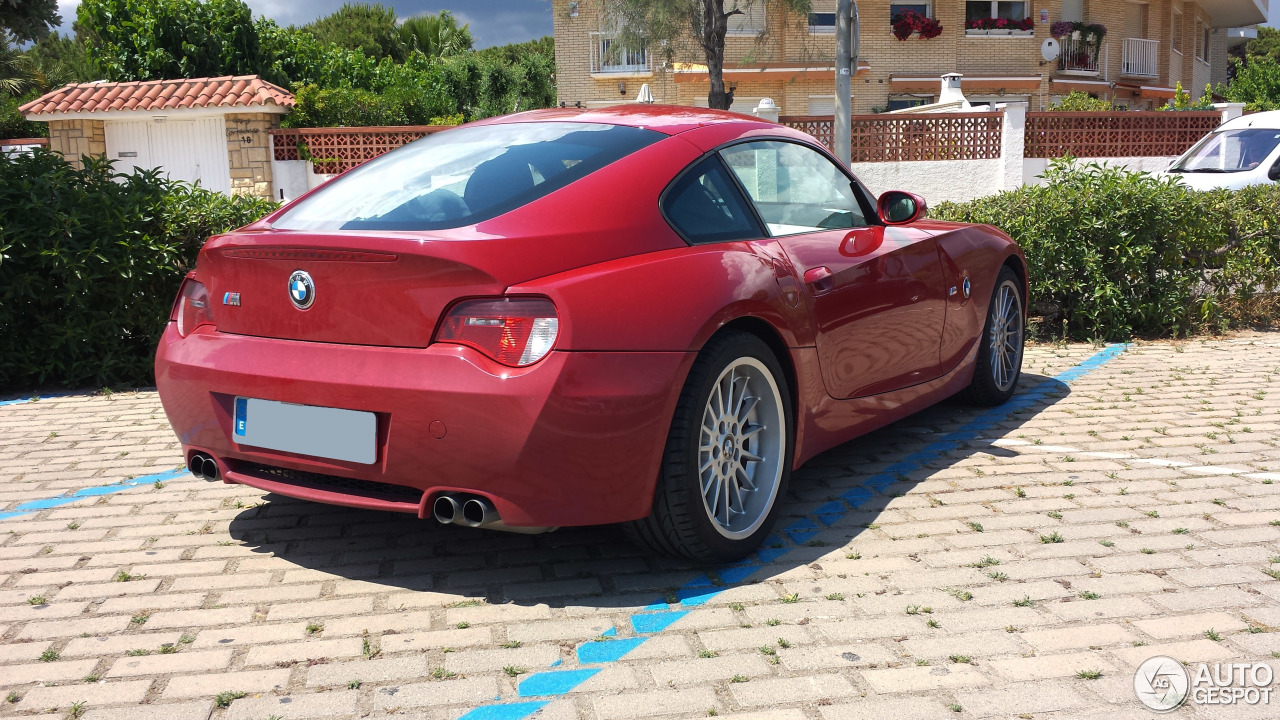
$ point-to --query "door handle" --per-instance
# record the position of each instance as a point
(820, 278)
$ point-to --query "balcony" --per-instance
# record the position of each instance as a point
(1235, 13)
(611, 61)
(1079, 58)
(1140, 58)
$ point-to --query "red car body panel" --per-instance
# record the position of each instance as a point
(576, 438)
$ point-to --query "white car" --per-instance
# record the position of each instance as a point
(1239, 153)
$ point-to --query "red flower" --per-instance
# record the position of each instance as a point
(909, 22)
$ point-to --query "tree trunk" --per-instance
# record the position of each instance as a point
(715, 25)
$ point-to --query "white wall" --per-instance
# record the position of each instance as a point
(953, 180)
(294, 177)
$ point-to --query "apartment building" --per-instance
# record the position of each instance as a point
(1148, 48)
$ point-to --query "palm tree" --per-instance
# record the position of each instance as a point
(436, 35)
(16, 75)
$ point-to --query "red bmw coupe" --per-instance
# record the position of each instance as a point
(642, 315)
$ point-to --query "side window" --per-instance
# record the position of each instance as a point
(705, 207)
(795, 189)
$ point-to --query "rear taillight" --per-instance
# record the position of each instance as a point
(193, 308)
(513, 331)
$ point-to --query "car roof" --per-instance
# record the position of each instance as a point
(1264, 120)
(667, 119)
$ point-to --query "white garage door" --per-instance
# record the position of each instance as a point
(187, 150)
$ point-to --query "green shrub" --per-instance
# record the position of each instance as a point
(1081, 102)
(353, 90)
(12, 122)
(1256, 83)
(90, 261)
(1182, 100)
(1116, 254)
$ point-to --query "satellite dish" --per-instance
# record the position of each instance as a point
(1050, 50)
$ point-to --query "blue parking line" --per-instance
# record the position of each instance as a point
(594, 653)
(554, 682)
(661, 615)
(33, 506)
(649, 623)
(510, 711)
(34, 398)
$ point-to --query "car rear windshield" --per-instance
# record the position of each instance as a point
(463, 176)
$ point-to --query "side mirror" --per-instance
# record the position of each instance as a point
(901, 208)
(1274, 173)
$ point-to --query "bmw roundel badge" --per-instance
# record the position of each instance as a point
(302, 291)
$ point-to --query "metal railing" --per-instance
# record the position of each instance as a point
(1078, 56)
(1140, 58)
(606, 58)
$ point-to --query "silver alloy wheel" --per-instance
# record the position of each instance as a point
(740, 448)
(1005, 342)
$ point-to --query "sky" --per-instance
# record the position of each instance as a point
(493, 22)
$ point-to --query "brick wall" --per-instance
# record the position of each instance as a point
(789, 41)
(249, 152)
(73, 138)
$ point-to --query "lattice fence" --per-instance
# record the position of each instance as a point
(898, 138)
(335, 150)
(1115, 134)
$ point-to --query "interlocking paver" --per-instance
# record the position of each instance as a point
(1088, 532)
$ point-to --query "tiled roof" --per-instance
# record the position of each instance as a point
(243, 90)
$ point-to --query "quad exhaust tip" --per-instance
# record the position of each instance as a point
(203, 466)
(476, 512)
(446, 510)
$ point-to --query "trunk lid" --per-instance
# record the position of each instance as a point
(376, 292)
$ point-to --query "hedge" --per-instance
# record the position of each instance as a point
(1115, 254)
(353, 90)
(90, 261)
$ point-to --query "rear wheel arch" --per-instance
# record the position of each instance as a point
(767, 333)
(679, 522)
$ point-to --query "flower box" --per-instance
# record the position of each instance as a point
(1000, 26)
(1022, 33)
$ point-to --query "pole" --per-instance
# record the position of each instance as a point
(844, 81)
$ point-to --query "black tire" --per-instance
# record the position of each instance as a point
(679, 522)
(986, 387)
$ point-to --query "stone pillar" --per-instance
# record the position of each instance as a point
(1230, 111)
(75, 138)
(249, 153)
(1013, 144)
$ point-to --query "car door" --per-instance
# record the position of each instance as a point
(876, 293)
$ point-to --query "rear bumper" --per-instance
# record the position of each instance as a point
(574, 440)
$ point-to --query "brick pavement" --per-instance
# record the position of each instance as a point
(1125, 516)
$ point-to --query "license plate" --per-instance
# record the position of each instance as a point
(323, 432)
